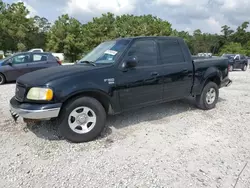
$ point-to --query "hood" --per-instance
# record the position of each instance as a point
(43, 76)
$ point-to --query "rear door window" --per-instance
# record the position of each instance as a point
(170, 51)
(39, 57)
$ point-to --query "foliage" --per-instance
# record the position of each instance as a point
(18, 31)
(67, 35)
(233, 48)
(108, 27)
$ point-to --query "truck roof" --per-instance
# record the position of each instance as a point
(152, 37)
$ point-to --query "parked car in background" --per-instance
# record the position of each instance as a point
(237, 61)
(118, 76)
(59, 56)
(21, 63)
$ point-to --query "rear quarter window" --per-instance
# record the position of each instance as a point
(170, 51)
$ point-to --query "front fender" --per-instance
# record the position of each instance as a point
(69, 87)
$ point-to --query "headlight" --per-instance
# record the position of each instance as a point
(36, 93)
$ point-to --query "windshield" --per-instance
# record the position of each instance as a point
(106, 52)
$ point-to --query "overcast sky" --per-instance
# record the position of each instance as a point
(188, 15)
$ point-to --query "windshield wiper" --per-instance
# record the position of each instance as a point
(89, 62)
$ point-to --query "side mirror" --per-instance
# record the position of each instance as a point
(9, 62)
(131, 62)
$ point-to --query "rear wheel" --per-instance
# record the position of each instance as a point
(209, 96)
(2, 79)
(244, 68)
(82, 120)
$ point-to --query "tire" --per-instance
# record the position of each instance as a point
(2, 79)
(244, 68)
(231, 68)
(202, 100)
(86, 115)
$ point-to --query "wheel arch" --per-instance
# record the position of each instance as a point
(3, 76)
(100, 96)
(211, 75)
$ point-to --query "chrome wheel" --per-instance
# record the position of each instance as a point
(82, 120)
(210, 96)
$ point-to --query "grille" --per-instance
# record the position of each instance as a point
(20, 92)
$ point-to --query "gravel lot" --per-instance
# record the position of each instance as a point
(169, 145)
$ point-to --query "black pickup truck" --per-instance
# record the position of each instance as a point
(117, 76)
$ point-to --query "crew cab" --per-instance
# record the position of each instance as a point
(237, 61)
(117, 76)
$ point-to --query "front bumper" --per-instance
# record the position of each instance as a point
(34, 111)
(226, 82)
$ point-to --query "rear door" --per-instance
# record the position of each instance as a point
(177, 71)
(39, 61)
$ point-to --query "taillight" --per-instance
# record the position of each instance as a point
(59, 62)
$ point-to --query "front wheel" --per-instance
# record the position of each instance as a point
(82, 120)
(209, 96)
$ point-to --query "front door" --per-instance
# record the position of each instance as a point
(18, 66)
(141, 85)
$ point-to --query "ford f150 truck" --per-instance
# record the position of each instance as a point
(117, 76)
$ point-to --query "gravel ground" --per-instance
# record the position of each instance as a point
(169, 145)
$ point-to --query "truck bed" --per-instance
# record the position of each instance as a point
(204, 67)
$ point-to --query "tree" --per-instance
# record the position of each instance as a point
(241, 35)
(37, 37)
(233, 47)
(99, 30)
(108, 27)
(15, 26)
(227, 32)
(66, 36)
(146, 25)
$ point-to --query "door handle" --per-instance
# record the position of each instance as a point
(154, 74)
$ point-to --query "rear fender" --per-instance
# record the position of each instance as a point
(211, 74)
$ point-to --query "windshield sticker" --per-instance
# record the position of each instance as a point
(111, 52)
